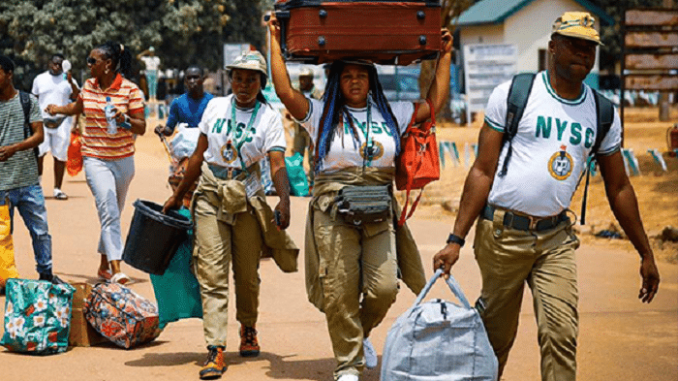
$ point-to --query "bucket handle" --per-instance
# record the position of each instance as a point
(451, 282)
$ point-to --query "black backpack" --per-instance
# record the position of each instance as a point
(26, 106)
(519, 93)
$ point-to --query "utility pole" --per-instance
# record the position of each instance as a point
(664, 96)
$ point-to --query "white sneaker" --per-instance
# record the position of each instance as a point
(348, 377)
(370, 354)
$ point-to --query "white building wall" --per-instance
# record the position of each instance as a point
(484, 34)
(529, 29)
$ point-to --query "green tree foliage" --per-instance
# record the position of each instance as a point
(182, 31)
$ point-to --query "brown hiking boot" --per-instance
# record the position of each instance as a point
(249, 345)
(215, 365)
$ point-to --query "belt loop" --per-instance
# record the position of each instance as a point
(230, 173)
(508, 219)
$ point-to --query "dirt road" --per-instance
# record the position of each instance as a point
(620, 339)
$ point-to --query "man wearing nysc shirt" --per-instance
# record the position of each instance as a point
(524, 234)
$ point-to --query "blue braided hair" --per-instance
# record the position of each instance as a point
(335, 107)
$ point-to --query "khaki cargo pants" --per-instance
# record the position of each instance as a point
(508, 259)
(360, 283)
(217, 244)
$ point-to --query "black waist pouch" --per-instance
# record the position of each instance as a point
(53, 122)
(364, 204)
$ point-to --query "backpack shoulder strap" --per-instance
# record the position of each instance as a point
(26, 106)
(605, 118)
(519, 93)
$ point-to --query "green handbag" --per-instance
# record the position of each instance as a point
(37, 316)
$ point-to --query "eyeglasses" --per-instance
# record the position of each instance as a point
(92, 60)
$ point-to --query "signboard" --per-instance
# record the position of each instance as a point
(485, 67)
(651, 39)
(651, 61)
(649, 58)
(652, 17)
(651, 82)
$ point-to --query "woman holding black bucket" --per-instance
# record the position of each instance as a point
(108, 153)
(233, 222)
(352, 265)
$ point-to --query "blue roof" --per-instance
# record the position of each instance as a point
(496, 11)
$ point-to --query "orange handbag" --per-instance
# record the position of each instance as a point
(418, 163)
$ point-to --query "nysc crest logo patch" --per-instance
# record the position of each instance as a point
(375, 152)
(560, 164)
(229, 152)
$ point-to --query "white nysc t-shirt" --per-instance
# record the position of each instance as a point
(550, 149)
(344, 151)
(266, 133)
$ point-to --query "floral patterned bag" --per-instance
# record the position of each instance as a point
(37, 316)
(121, 315)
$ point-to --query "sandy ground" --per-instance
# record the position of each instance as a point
(620, 339)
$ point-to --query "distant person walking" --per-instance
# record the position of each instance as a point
(302, 141)
(189, 107)
(152, 63)
(524, 235)
(109, 159)
(55, 87)
(19, 166)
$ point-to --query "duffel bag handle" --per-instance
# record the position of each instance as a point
(451, 282)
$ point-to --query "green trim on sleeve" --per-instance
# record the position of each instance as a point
(494, 126)
(277, 149)
(610, 152)
(308, 115)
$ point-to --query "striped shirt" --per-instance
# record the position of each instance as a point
(96, 142)
(20, 170)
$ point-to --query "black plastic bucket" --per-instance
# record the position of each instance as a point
(154, 237)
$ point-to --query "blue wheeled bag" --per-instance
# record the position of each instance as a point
(439, 341)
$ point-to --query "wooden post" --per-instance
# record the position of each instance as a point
(664, 96)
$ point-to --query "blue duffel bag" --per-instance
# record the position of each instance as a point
(439, 340)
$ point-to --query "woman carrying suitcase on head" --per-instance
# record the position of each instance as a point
(233, 222)
(352, 265)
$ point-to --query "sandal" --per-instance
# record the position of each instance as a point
(120, 278)
(59, 195)
(104, 274)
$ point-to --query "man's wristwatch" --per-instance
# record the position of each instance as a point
(453, 238)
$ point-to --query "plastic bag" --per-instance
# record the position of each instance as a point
(184, 142)
(177, 291)
(74, 163)
(7, 267)
(297, 175)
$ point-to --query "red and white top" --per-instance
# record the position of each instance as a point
(96, 142)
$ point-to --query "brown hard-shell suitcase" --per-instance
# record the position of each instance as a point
(385, 32)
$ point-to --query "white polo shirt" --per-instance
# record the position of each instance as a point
(554, 139)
